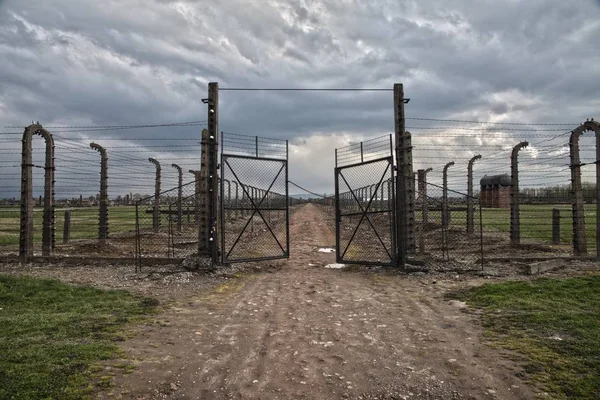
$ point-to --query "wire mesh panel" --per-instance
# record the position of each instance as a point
(365, 216)
(254, 201)
(182, 220)
(443, 238)
(163, 229)
(254, 209)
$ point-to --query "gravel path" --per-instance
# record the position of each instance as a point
(304, 331)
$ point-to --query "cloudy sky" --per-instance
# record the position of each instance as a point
(142, 62)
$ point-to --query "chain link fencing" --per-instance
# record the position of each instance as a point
(166, 226)
(442, 238)
(254, 215)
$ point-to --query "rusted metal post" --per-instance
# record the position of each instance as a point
(67, 227)
(470, 208)
(555, 226)
(156, 211)
(445, 213)
(26, 228)
(179, 195)
(515, 220)
(103, 204)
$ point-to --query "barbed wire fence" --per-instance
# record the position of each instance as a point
(545, 193)
(77, 173)
(545, 196)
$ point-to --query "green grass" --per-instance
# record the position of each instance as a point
(84, 223)
(53, 335)
(553, 323)
(536, 221)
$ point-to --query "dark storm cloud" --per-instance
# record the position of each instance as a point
(127, 62)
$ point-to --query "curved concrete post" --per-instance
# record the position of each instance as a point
(179, 195)
(594, 126)
(445, 213)
(103, 204)
(470, 208)
(515, 222)
(579, 233)
(26, 229)
(156, 213)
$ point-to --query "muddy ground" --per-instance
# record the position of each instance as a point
(296, 329)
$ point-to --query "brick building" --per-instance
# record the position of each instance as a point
(495, 191)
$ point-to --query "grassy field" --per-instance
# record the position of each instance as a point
(536, 221)
(553, 324)
(84, 223)
(53, 335)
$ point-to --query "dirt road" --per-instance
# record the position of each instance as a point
(310, 332)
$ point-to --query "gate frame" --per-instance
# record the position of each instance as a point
(392, 252)
(255, 207)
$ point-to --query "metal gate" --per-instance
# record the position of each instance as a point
(254, 212)
(365, 204)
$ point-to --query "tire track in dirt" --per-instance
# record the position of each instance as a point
(316, 333)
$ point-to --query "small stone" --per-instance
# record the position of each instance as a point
(174, 387)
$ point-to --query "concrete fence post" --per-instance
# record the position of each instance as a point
(103, 205)
(197, 198)
(445, 211)
(212, 165)
(26, 227)
(237, 200)
(179, 195)
(579, 233)
(422, 173)
(555, 226)
(156, 213)
(403, 151)
(409, 176)
(422, 188)
(470, 208)
(67, 227)
(515, 219)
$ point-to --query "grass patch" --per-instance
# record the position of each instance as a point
(84, 222)
(553, 323)
(52, 335)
